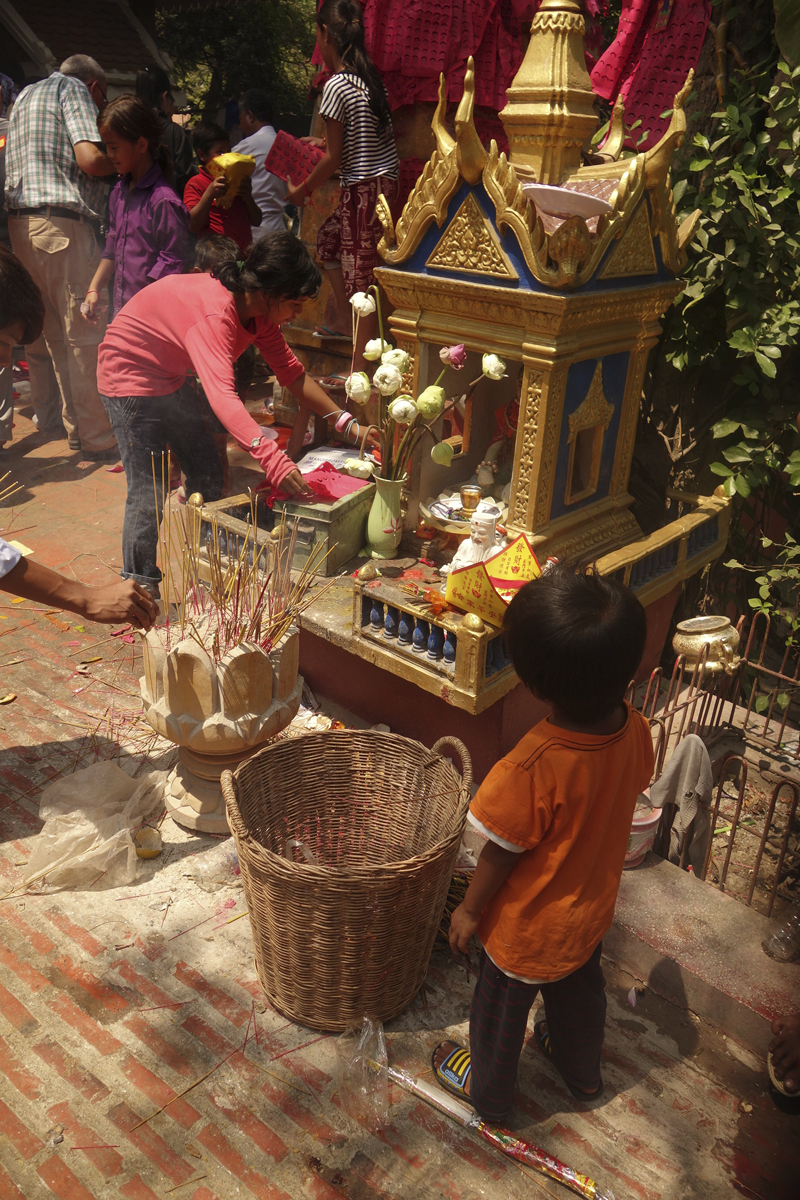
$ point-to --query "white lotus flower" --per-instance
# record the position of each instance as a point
(375, 348)
(359, 468)
(358, 387)
(403, 410)
(396, 358)
(363, 304)
(493, 366)
(387, 380)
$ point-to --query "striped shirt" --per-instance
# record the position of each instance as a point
(47, 120)
(366, 152)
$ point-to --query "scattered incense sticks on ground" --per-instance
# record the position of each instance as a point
(304, 1091)
(172, 1004)
(125, 946)
(106, 1146)
(191, 927)
(196, 1179)
(302, 1046)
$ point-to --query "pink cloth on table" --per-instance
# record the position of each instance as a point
(647, 63)
(327, 484)
(186, 324)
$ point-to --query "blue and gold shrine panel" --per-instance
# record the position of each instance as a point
(589, 432)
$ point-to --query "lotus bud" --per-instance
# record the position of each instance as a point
(453, 356)
(375, 348)
(387, 380)
(358, 387)
(442, 454)
(403, 410)
(363, 304)
(396, 358)
(493, 366)
(430, 402)
(359, 468)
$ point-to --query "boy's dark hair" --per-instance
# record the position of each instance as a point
(130, 118)
(277, 264)
(576, 640)
(214, 250)
(344, 21)
(257, 102)
(20, 298)
(207, 134)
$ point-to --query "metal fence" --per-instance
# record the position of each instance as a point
(759, 853)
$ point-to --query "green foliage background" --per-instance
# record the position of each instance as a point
(219, 52)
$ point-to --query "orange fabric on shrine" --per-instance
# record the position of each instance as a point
(568, 799)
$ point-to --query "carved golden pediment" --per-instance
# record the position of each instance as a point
(569, 256)
(470, 244)
(635, 254)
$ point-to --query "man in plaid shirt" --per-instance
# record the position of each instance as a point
(56, 200)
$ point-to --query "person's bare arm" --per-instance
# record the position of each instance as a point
(122, 600)
(91, 159)
(198, 216)
(494, 866)
(94, 292)
(309, 393)
(328, 165)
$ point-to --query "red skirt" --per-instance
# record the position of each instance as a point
(351, 234)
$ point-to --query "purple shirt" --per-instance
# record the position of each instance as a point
(148, 233)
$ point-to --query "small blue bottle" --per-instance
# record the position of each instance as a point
(405, 628)
(435, 643)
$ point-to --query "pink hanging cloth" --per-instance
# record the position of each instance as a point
(657, 43)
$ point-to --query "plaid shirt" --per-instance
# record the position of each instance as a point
(47, 120)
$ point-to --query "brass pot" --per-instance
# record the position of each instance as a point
(715, 632)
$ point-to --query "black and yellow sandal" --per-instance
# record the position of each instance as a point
(543, 1041)
(453, 1072)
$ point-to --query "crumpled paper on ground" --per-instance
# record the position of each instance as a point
(89, 819)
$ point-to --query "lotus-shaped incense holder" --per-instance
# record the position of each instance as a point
(217, 712)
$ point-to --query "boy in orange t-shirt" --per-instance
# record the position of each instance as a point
(557, 813)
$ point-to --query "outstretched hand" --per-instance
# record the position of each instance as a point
(294, 484)
(124, 600)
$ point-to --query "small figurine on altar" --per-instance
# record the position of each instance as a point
(483, 542)
(495, 469)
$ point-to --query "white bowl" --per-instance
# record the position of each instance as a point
(560, 201)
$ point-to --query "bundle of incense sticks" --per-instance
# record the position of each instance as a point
(508, 1143)
(251, 595)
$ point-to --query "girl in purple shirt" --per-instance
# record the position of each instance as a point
(148, 233)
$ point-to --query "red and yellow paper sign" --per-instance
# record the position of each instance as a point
(487, 589)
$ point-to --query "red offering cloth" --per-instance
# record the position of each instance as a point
(327, 484)
(291, 157)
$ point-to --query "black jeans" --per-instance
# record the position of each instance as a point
(575, 1008)
(144, 426)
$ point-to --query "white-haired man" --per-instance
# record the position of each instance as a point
(57, 199)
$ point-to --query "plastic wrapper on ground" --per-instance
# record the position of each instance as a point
(216, 868)
(89, 821)
(361, 1075)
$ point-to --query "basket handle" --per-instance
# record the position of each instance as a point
(463, 754)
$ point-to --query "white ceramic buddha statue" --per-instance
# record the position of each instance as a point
(483, 541)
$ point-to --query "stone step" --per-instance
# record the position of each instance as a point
(701, 949)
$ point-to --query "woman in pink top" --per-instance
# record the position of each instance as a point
(201, 324)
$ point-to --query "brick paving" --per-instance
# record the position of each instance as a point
(112, 1004)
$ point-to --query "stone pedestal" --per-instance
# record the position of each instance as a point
(218, 713)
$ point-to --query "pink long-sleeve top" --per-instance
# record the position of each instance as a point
(189, 323)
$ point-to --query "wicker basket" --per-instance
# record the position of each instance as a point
(347, 843)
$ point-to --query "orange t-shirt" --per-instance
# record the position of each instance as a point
(568, 800)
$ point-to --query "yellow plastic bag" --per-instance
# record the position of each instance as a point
(235, 168)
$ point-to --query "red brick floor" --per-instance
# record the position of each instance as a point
(111, 1005)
